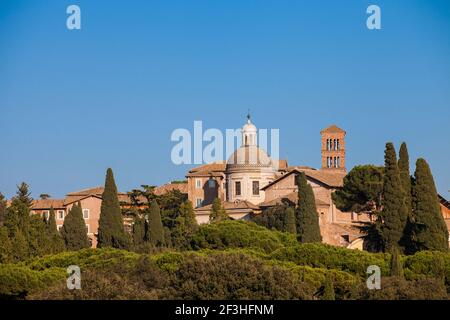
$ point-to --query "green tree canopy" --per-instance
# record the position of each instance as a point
(307, 219)
(430, 230)
(74, 230)
(111, 230)
(362, 190)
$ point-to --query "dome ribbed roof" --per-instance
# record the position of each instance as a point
(249, 156)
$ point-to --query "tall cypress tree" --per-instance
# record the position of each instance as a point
(74, 230)
(431, 233)
(111, 230)
(53, 235)
(307, 219)
(396, 268)
(394, 212)
(155, 231)
(290, 225)
(138, 231)
(405, 178)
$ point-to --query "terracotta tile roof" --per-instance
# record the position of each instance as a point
(216, 168)
(333, 129)
(41, 204)
(88, 192)
(331, 178)
(182, 187)
(292, 198)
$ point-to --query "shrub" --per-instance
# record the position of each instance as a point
(235, 277)
(324, 256)
(428, 264)
(394, 288)
(17, 281)
(85, 258)
(240, 234)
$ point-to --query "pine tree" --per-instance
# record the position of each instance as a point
(53, 235)
(184, 227)
(396, 268)
(138, 231)
(328, 291)
(111, 230)
(2, 209)
(5, 246)
(307, 219)
(290, 225)
(155, 231)
(430, 229)
(74, 232)
(394, 213)
(218, 213)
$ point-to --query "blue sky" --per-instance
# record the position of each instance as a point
(73, 103)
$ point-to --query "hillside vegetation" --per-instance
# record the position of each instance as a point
(228, 260)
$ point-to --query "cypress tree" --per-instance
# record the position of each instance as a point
(54, 238)
(38, 240)
(328, 291)
(394, 209)
(430, 230)
(138, 231)
(307, 219)
(290, 225)
(188, 214)
(218, 213)
(405, 176)
(74, 230)
(396, 268)
(111, 230)
(155, 230)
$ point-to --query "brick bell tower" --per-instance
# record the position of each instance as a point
(333, 148)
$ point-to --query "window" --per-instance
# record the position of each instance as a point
(338, 147)
(198, 184)
(212, 183)
(59, 227)
(256, 188)
(345, 239)
(86, 213)
(87, 229)
(338, 162)
(60, 214)
(46, 214)
(237, 189)
(198, 202)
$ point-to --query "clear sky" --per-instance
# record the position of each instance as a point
(73, 103)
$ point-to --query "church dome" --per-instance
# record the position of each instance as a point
(249, 156)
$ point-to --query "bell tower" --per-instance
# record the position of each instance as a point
(333, 148)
